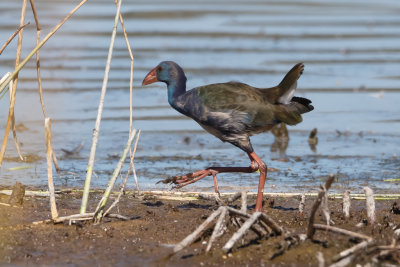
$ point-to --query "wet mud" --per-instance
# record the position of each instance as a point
(157, 223)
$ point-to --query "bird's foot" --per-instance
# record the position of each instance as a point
(188, 178)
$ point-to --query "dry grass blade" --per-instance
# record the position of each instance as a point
(96, 129)
(12, 37)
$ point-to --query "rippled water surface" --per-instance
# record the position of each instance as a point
(352, 55)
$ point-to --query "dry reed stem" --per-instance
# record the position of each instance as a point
(219, 229)
(325, 207)
(320, 259)
(11, 121)
(12, 37)
(234, 197)
(34, 50)
(341, 231)
(130, 94)
(302, 204)
(370, 202)
(346, 204)
(351, 251)
(102, 203)
(39, 78)
(53, 207)
(242, 231)
(96, 129)
(199, 230)
(244, 202)
(132, 157)
(20, 66)
(131, 165)
(321, 193)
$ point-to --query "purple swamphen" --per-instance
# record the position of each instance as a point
(232, 112)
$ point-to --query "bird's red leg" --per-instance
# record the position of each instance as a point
(262, 167)
(256, 164)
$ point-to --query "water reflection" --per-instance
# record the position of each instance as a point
(281, 141)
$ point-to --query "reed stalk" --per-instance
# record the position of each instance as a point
(11, 120)
(34, 50)
(53, 206)
(100, 207)
(96, 129)
(39, 79)
(12, 37)
(20, 66)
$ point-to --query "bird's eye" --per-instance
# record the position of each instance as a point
(160, 69)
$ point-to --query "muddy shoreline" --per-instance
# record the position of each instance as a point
(157, 222)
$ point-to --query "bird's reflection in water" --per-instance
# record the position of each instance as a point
(313, 140)
(281, 141)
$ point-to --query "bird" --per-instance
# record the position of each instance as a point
(232, 111)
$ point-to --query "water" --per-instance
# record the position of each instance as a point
(352, 55)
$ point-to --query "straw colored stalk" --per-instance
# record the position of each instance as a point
(100, 207)
(96, 129)
(13, 91)
(20, 66)
(53, 207)
(12, 37)
(39, 79)
(317, 203)
(370, 202)
(130, 93)
(346, 205)
(131, 165)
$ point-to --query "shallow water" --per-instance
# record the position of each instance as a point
(352, 57)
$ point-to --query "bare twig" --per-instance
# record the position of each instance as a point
(341, 231)
(47, 125)
(21, 65)
(193, 236)
(219, 228)
(241, 232)
(321, 193)
(369, 195)
(96, 129)
(346, 204)
(236, 196)
(352, 250)
(272, 224)
(12, 37)
(104, 199)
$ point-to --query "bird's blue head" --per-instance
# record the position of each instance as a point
(168, 72)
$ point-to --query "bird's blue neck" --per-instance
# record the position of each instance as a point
(175, 89)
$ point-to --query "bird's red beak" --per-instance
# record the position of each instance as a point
(151, 77)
